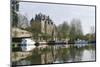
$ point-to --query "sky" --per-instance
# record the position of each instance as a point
(60, 13)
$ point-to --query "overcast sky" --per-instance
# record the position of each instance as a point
(59, 13)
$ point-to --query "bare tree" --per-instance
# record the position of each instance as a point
(22, 21)
(92, 30)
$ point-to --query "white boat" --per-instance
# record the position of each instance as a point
(27, 44)
(80, 43)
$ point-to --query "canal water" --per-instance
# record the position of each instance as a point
(59, 54)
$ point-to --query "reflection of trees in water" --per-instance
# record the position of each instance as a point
(93, 54)
(91, 48)
(78, 54)
(61, 54)
(72, 53)
(65, 54)
(75, 53)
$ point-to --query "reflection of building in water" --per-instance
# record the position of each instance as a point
(41, 57)
(46, 58)
(46, 26)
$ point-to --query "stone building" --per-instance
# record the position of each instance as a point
(47, 26)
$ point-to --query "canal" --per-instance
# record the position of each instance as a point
(59, 54)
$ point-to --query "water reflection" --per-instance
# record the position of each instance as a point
(59, 54)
